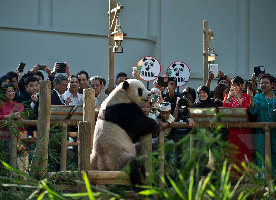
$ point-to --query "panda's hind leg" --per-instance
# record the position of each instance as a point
(137, 171)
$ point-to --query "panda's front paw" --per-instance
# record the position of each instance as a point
(156, 132)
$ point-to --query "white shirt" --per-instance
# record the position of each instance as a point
(77, 100)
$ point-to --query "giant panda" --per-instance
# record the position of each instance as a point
(119, 125)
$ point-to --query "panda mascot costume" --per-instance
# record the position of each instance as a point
(120, 123)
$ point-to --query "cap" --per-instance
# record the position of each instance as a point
(165, 106)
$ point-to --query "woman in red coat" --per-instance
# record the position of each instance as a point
(241, 138)
(9, 109)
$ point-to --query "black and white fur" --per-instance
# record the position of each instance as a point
(119, 125)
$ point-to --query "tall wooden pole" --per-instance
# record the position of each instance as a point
(205, 51)
(89, 110)
(111, 44)
(40, 159)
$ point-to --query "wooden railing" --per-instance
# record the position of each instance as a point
(85, 138)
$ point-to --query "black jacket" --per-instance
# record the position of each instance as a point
(55, 100)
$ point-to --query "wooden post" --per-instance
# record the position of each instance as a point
(267, 151)
(205, 51)
(89, 110)
(161, 157)
(84, 150)
(146, 149)
(13, 149)
(40, 157)
(111, 44)
(63, 153)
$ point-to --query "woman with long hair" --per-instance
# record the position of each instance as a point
(241, 138)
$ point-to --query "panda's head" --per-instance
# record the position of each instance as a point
(136, 91)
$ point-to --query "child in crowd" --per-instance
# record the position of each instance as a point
(165, 118)
(146, 108)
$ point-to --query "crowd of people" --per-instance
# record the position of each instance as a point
(20, 98)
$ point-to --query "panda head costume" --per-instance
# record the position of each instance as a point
(120, 123)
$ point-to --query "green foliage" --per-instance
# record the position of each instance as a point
(195, 181)
(187, 176)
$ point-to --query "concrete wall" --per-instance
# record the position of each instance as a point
(45, 31)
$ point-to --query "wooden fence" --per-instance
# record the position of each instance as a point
(85, 139)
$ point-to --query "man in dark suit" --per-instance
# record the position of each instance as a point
(60, 83)
(30, 97)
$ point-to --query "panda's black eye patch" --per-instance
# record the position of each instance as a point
(140, 92)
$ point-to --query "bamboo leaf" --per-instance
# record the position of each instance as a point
(87, 185)
(41, 196)
(211, 194)
(191, 184)
(76, 195)
(176, 188)
(148, 192)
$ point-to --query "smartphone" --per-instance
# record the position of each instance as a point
(259, 70)
(41, 67)
(21, 67)
(155, 96)
(161, 82)
(61, 68)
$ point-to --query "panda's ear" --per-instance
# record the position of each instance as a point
(153, 60)
(182, 64)
(144, 59)
(125, 85)
(173, 65)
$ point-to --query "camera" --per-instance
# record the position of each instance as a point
(21, 66)
(41, 67)
(61, 68)
(183, 110)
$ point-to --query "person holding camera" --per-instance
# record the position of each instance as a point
(171, 95)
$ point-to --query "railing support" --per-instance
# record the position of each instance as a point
(40, 159)
(63, 153)
(267, 151)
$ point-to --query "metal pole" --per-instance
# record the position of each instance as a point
(111, 44)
